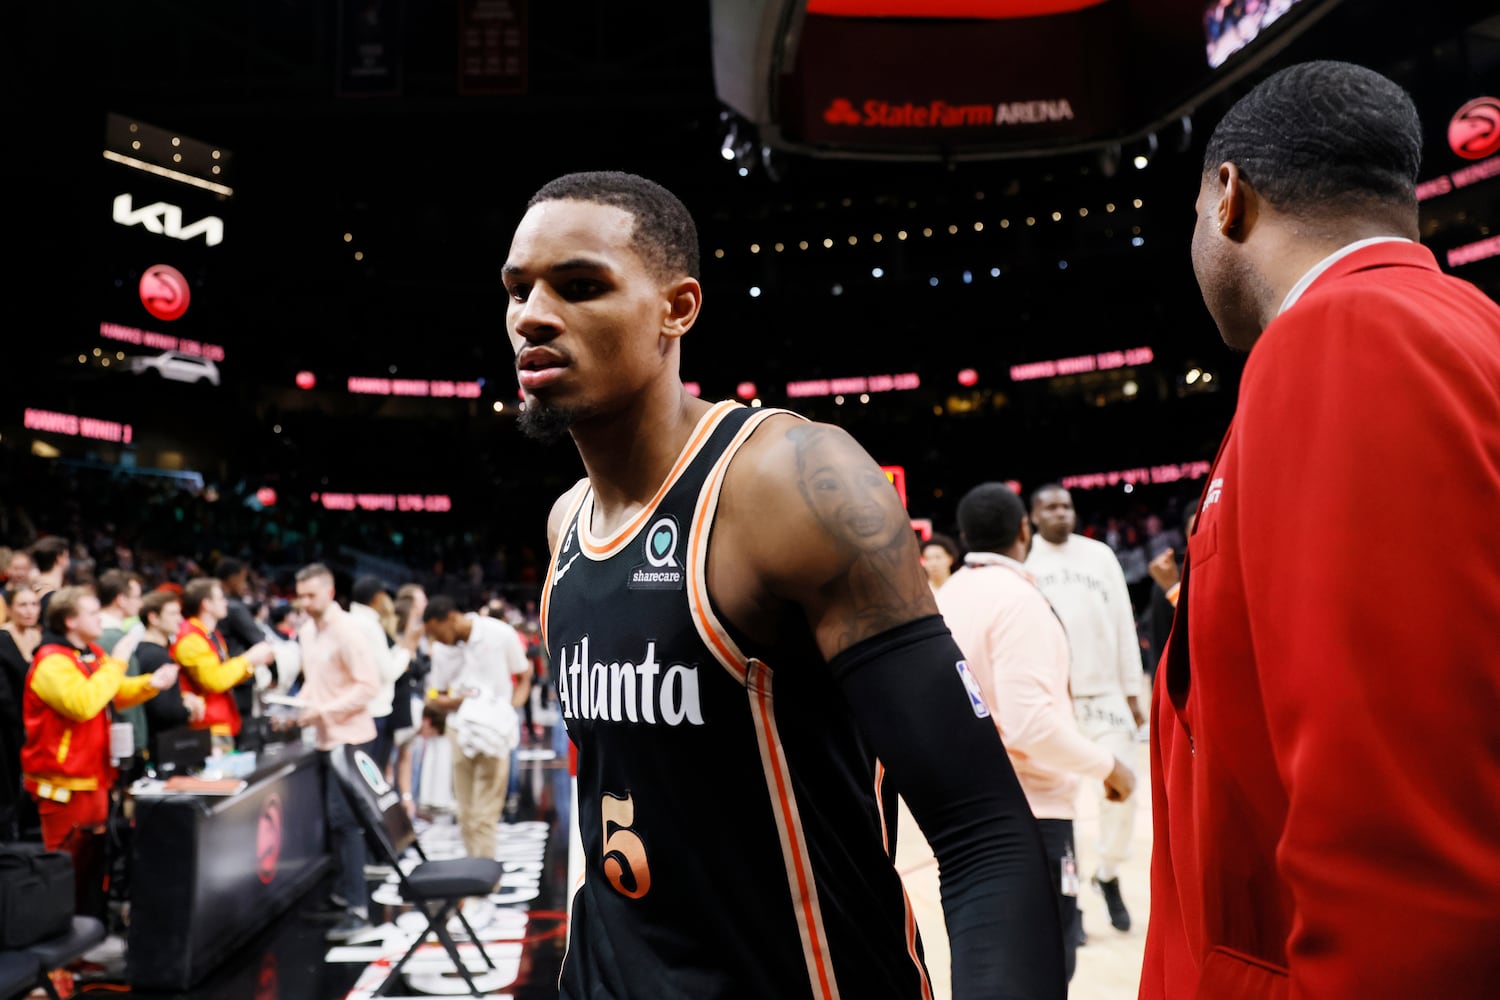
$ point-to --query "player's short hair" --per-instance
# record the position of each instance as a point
(665, 236)
(63, 605)
(227, 567)
(114, 582)
(1323, 135)
(365, 589)
(46, 552)
(313, 571)
(990, 517)
(438, 609)
(155, 602)
(196, 592)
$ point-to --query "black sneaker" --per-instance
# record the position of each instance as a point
(345, 929)
(1118, 915)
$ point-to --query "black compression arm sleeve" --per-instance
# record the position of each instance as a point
(947, 762)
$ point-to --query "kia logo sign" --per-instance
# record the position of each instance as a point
(268, 839)
(1474, 132)
(164, 292)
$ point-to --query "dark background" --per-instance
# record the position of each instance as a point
(429, 181)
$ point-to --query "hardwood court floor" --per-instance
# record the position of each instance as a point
(1109, 966)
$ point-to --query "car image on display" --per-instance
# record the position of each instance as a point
(178, 367)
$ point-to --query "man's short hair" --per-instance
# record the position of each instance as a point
(195, 593)
(313, 571)
(63, 605)
(114, 582)
(990, 517)
(1321, 134)
(45, 553)
(438, 609)
(1036, 494)
(665, 236)
(155, 602)
(365, 589)
(227, 567)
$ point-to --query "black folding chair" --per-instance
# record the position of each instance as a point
(435, 888)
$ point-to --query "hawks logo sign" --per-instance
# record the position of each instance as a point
(1474, 132)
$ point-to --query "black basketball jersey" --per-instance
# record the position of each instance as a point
(735, 839)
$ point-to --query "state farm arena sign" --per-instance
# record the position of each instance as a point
(954, 85)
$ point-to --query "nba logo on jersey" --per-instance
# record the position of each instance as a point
(661, 570)
(976, 697)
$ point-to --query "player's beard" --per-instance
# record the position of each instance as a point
(544, 423)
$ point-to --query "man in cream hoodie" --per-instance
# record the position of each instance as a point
(1084, 581)
(1016, 650)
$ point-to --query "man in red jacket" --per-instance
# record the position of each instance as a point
(66, 762)
(1326, 753)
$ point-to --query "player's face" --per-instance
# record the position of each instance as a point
(936, 562)
(315, 595)
(443, 631)
(585, 314)
(1054, 515)
(1223, 272)
(25, 607)
(87, 623)
(170, 619)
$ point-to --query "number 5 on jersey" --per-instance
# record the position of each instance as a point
(625, 861)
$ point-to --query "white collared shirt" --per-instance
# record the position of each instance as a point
(1316, 271)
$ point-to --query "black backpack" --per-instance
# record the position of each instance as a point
(36, 894)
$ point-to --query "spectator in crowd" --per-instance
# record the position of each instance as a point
(51, 557)
(480, 676)
(209, 671)
(66, 762)
(119, 595)
(939, 559)
(365, 594)
(238, 628)
(173, 708)
(1082, 579)
(1325, 758)
(19, 638)
(1016, 649)
(406, 706)
(340, 680)
(20, 571)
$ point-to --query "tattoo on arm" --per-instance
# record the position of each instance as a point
(856, 504)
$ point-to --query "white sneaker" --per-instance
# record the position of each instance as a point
(111, 949)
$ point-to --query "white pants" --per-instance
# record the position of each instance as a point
(1106, 720)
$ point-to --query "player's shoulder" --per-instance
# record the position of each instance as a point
(560, 508)
(787, 446)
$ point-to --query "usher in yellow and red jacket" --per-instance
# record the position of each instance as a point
(210, 671)
(67, 727)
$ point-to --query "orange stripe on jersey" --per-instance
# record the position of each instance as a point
(603, 548)
(712, 631)
(911, 945)
(885, 835)
(793, 844)
(561, 549)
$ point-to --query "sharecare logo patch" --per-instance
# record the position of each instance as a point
(941, 114)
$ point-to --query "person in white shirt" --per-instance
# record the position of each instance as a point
(362, 598)
(1085, 584)
(1017, 651)
(480, 675)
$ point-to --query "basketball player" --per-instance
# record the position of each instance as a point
(745, 645)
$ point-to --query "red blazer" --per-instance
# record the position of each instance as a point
(1325, 762)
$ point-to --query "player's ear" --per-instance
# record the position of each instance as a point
(684, 297)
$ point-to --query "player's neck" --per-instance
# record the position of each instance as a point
(629, 454)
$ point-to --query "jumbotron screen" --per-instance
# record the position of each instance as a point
(1230, 25)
